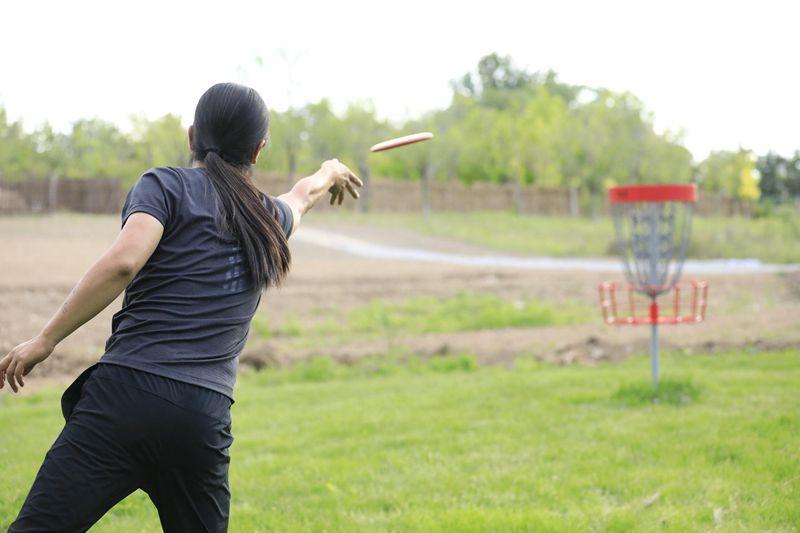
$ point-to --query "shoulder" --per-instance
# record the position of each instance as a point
(167, 174)
(172, 180)
(284, 215)
(159, 191)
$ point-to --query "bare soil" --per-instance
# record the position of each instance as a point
(42, 257)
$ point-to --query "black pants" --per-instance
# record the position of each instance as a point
(128, 429)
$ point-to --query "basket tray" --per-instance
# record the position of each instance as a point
(685, 303)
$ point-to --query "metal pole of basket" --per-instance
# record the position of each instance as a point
(654, 353)
(654, 257)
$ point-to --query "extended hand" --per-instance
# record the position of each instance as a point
(341, 179)
(21, 360)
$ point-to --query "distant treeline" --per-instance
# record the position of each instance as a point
(503, 125)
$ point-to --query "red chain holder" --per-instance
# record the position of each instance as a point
(622, 305)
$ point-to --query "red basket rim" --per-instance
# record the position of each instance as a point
(653, 193)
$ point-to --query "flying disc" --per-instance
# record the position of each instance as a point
(401, 141)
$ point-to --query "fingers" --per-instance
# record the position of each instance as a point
(344, 180)
(3, 366)
(19, 371)
(10, 375)
(355, 179)
(337, 194)
(341, 172)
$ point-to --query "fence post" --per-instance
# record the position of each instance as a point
(425, 185)
(516, 196)
(363, 169)
(574, 201)
(52, 193)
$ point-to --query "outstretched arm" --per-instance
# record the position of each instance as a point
(101, 284)
(333, 177)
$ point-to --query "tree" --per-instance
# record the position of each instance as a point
(19, 154)
(503, 124)
(731, 173)
(494, 73)
(779, 177)
(160, 142)
(362, 129)
(326, 132)
(288, 132)
(98, 149)
(496, 82)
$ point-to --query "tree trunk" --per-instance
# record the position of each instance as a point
(427, 176)
(292, 166)
(52, 193)
(516, 194)
(594, 201)
(574, 201)
(363, 170)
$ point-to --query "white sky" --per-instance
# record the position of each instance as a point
(724, 72)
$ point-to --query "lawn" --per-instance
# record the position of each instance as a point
(447, 445)
(416, 315)
(774, 239)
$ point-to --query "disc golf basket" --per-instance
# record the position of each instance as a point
(652, 224)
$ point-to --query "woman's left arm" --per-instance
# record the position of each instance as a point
(100, 286)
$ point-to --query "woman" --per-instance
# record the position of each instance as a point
(197, 247)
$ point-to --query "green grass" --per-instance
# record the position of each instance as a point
(319, 369)
(464, 311)
(667, 391)
(771, 239)
(445, 445)
(290, 327)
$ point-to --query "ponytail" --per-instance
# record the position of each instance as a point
(254, 224)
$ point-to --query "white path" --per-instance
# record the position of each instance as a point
(351, 245)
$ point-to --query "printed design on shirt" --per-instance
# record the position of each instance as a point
(235, 275)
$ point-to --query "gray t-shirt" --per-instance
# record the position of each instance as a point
(186, 314)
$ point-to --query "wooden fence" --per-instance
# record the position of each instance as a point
(392, 195)
(42, 195)
(107, 195)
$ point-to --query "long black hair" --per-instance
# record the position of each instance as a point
(230, 122)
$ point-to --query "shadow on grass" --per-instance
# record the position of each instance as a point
(668, 392)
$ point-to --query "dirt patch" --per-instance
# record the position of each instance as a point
(44, 256)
